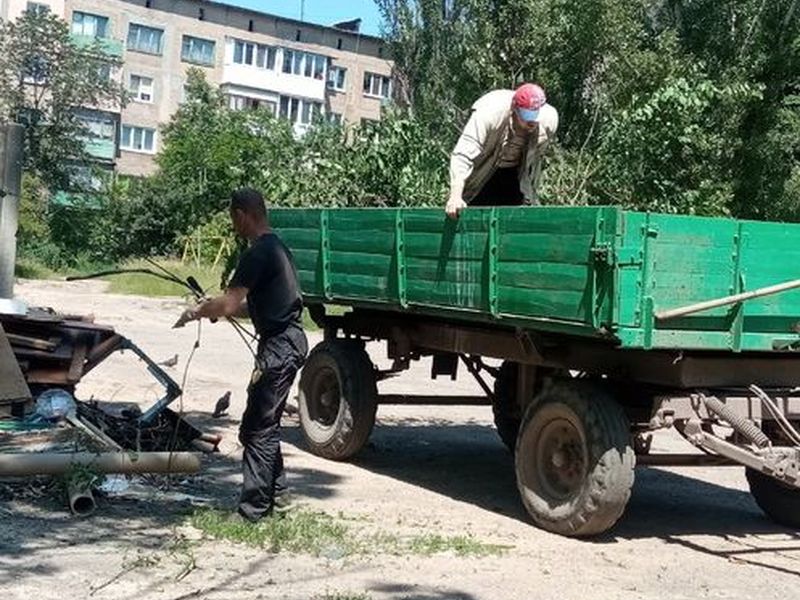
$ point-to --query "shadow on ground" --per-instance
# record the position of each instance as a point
(468, 463)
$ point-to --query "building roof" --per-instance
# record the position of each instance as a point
(260, 13)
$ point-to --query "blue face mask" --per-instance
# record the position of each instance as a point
(528, 115)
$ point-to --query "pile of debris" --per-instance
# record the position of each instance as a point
(45, 430)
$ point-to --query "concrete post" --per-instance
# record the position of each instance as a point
(10, 184)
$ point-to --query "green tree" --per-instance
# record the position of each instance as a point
(44, 77)
(675, 105)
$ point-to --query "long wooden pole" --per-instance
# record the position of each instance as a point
(727, 300)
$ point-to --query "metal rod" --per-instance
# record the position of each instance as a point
(434, 400)
(683, 460)
(727, 300)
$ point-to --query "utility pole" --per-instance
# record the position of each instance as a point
(10, 184)
(302, 10)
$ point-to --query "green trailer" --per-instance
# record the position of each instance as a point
(610, 324)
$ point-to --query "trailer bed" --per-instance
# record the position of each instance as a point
(600, 272)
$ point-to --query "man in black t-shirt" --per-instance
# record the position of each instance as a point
(266, 278)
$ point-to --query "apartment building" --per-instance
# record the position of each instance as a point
(11, 9)
(297, 70)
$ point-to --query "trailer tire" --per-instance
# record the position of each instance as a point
(780, 502)
(506, 407)
(574, 461)
(338, 399)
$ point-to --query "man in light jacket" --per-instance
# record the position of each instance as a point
(498, 158)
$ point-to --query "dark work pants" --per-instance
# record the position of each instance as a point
(279, 358)
(502, 189)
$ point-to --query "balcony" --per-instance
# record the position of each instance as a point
(109, 46)
(273, 81)
(101, 149)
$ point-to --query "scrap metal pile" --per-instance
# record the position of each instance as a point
(45, 430)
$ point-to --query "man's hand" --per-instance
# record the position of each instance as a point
(190, 314)
(454, 206)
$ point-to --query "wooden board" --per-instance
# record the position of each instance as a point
(12, 384)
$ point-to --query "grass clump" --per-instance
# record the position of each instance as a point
(461, 545)
(300, 531)
(140, 284)
(31, 268)
(319, 534)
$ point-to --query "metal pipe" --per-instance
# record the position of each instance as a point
(727, 300)
(50, 463)
(80, 498)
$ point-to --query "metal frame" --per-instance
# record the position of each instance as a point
(665, 382)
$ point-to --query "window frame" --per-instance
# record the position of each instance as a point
(140, 27)
(97, 18)
(193, 60)
(143, 137)
(304, 64)
(299, 111)
(37, 8)
(372, 77)
(138, 93)
(335, 73)
(261, 56)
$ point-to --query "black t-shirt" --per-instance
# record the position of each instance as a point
(267, 270)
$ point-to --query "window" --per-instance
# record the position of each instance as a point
(97, 126)
(238, 102)
(336, 78)
(304, 63)
(141, 88)
(302, 112)
(85, 178)
(254, 55)
(37, 8)
(138, 139)
(89, 25)
(378, 86)
(145, 39)
(197, 50)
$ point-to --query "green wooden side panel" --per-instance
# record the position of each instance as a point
(584, 270)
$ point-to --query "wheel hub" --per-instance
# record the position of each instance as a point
(560, 459)
(325, 399)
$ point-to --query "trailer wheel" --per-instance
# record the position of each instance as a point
(780, 502)
(506, 407)
(337, 399)
(574, 460)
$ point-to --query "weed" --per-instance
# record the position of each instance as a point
(298, 531)
(461, 545)
(31, 268)
(80, 476)
(317, 533)
(139, 284)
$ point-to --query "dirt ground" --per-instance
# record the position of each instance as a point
(687, 533)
